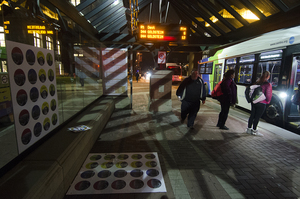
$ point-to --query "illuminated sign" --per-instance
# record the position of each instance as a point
(161, 32)
(38, 29)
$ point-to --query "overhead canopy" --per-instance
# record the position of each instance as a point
(210, 23)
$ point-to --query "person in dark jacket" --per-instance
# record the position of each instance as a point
(228, 98)
(190, 92)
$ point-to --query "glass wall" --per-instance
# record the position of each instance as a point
(53, 40)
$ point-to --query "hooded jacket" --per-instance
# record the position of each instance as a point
(186, 88)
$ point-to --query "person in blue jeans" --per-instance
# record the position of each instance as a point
(228, 98)
(190, 92)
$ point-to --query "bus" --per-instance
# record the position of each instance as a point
(177, 71)
(279, 53)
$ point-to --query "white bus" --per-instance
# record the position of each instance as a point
(277, 52)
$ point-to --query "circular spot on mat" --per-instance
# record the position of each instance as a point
(109, 157)
(82, 185)
(34, 94)
(136, 184)
(100, 185)
(91, 165)
(118, 184)
(136, 164)
(154, 183)
(149, 156)
(26, 136)
(30, 57)
(35, 112)
(107, 165)
(152, 172)
(123, 157)
(136, 173)
(87, 174)
(104, 174)
(32, 76)
(24, 117)
(136, 156)
(17, 55)
(121, 164)
(19, 77)
(120, 174)
(21, 97)
(151, 164)
(95, 157)
(37, 129)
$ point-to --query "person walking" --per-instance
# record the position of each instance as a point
(190, 92)
(258, 109)
(137, 75)
(228, 98)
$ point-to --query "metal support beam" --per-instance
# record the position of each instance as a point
(85, 4)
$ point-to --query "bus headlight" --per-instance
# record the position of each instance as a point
(282, 95)
(148, 75)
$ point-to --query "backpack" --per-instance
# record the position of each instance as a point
(217, 92)
(254, 94)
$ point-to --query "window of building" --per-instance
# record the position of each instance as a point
(37, 38)
(2, 37)
(49, 43)
(58, 47)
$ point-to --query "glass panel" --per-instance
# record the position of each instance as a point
(273, 67)
(243, 10)
(213, 19)
(291, 3)
(245, 74)
(266, 7)
(295, 109)
(92, 6)
(249, 58)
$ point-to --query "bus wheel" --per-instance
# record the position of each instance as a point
(273, 114)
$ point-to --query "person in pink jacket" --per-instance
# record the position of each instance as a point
(258, 109)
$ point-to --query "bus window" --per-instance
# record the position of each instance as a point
(245, 74)
(206, 68)
(273, 67)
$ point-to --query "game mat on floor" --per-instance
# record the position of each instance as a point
(108, 173)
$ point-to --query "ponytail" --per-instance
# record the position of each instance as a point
(263, 77)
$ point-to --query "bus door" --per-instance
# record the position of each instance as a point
(294, 109)
(218, 73)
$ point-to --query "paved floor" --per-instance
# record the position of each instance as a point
(205, 162)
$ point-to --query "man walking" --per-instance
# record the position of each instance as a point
(190, 92)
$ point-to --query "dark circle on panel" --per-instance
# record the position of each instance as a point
(42, 75)
(109, 157)
(30, 57)
(118, 184)
(121, 164)
(24, 117)
(136, 164)
(36, 112)
(104, 174)
(154, 183)
(37, 129)
(17, 55)
(22, 97)
(136, 184)
(120, 173)
(34, 94)
(87, 174)
(91, 165)
(149, 156)
(46, 124)
(151, 164)
(53, 104)
(45, 108)
(44, 92)
(32, 76)
(107, 165)
(49, 59)
(152, 172)
(101, 185)
(82, 185)
(40, 58)
(26, 136)
(52, 90)
(123, 157)
(95, 157)
(51, 75)
(54, 119)
(19, 77)
(136, 173)
(136, 156)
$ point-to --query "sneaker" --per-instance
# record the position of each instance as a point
(190, 127)
(224, 128)
(249, 130)
(256, 133)
(218, 125)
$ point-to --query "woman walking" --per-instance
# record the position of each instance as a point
(228, 98)
(258, 109)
